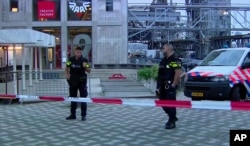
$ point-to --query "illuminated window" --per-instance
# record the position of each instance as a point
(109, 5)
(14, 5)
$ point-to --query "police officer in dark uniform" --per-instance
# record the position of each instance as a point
(168, 80)
(76, 68)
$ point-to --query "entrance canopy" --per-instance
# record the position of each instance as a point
(27, 37)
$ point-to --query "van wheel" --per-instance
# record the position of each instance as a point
(238, 93)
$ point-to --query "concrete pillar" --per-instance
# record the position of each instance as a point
(64, 32)
(64, 45)
(124, 49)
(29, 10)
(109, 33)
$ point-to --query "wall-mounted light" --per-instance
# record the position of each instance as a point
(57, 38)
(48, 30)
(16, 48)
(14, 10)
(225, 13)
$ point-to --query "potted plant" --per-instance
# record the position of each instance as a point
(148, 76)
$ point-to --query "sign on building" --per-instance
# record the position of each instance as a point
(79, 9)
(46, 9)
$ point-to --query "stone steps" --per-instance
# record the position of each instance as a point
(124, 88)
(129, 94)
(106, 73)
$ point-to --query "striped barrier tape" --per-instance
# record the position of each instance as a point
(217, 105)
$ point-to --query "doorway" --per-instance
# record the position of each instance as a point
(80, 37)
(51, 57)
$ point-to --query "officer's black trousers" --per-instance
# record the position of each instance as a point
(169, 94)
(73, 89)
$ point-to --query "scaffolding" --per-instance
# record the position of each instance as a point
(189, 26)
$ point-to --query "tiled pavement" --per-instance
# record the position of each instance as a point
(44, 124)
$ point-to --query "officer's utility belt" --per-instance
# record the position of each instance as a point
(167, 84)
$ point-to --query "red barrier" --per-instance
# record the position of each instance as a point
(240, 106)
(219, 105)
(173, 103)
(117, 76)
(3, 96)
(106, 101)
(52, 98)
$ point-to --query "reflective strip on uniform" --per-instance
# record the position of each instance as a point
(174, 64)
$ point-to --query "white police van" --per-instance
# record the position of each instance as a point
(223, 74)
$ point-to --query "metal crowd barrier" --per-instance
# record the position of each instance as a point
(51, 82)
(38, 83)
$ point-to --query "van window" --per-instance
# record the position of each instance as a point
(223, 58)
(247, 59)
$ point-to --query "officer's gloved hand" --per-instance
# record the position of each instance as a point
(157, 92)
(173, 87)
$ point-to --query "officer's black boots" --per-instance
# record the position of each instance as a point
(171, 123)
(84, 118)
(71, 117)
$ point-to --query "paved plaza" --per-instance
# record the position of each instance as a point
(44, 124)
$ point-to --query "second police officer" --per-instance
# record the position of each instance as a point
(167, 82)
(76, 68)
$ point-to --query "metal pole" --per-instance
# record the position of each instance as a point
(14, 69)
(6, 82)
(30, 66)
(23, 69)
(40, 63)
(6, 71)
(36, 70)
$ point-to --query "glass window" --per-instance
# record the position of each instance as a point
(79, 10)
(14, 5)
(109, 5)
(44, 10)
(247, 59)
(223, 58)
(50, 54)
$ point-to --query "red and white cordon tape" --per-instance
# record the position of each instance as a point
(219, 105)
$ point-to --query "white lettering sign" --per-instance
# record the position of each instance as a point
(240, 137)
(79, 9)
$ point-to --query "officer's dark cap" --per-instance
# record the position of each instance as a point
(78, 48)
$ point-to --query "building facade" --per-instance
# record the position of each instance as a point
(98, 26)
